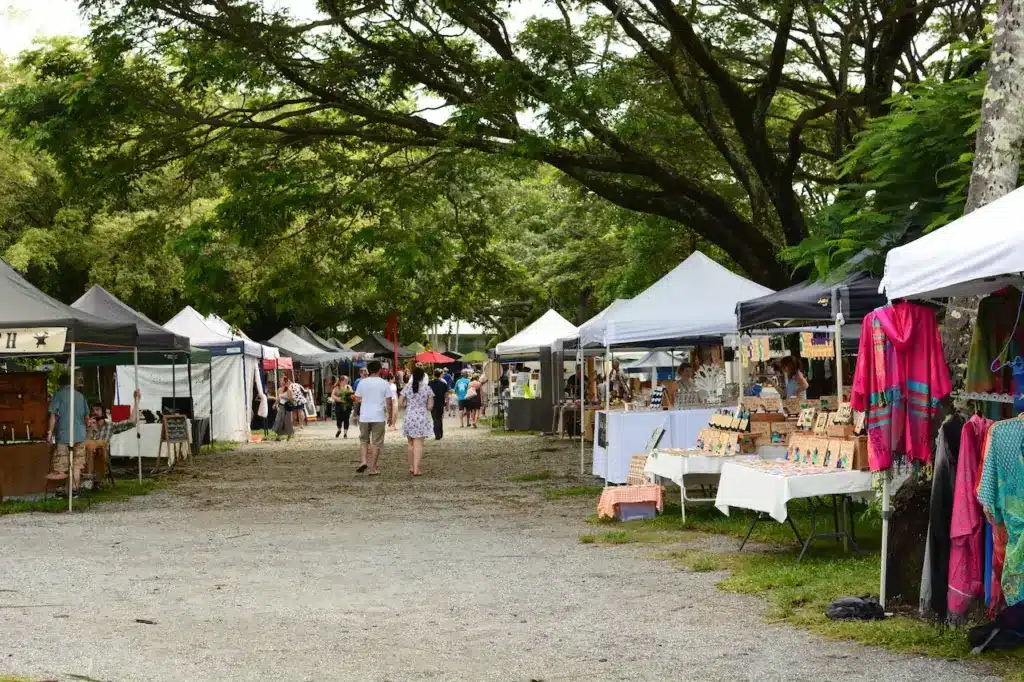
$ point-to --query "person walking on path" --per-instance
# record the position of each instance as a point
(363, 373)
(461, 390)
(341, 398)
(376, 410)
(283, 425)
(474, 399)
(417, 425)
(440, 389)
(393, 387)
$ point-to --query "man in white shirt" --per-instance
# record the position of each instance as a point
(376, 410)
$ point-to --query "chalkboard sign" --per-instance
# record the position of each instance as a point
(310, 409)
(175, 429)
(602, 429)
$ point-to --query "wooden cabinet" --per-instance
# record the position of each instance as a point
(23, 406)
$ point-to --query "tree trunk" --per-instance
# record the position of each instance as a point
(996, 156)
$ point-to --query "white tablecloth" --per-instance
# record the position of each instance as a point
(123, 444)
(675, 467)
(627, 434)
(749, 488)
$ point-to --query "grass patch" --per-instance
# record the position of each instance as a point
(615, 537)
(529, 478)
(705, 563)
(120, 491)
(579, 491)
(219, 446)
(588, 539)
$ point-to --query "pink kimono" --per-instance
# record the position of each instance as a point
(966, 532)
(901, 377)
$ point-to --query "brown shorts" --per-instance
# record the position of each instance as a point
(372, 433)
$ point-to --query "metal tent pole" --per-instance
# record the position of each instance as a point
(192, 400)
(607, 409)
(135, 402)
(71, 433)
(211, 399)
(583, 407)
(885, 536)
(839, 357)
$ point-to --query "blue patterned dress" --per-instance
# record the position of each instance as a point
(1001, 493)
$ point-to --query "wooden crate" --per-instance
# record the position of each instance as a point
(636, 470)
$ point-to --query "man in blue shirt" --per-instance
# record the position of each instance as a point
(461, 389)
(61, 419)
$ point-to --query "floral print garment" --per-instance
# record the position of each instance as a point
(418, 422)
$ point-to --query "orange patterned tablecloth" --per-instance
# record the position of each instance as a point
(628, 494)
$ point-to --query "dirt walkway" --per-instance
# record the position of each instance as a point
(277, 562)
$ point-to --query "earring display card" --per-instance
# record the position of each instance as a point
(805, 422)
(821, 424)
(859, 419)
(847, 452)
(844, 415)
(772, 404)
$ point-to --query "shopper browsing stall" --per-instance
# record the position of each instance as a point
(61, 422)
(794, 382)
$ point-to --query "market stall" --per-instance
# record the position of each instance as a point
(34, 324)
(171, 372)
(540, 341)
(693, 304)
(834, 466)
(234, 373)
(978, 484)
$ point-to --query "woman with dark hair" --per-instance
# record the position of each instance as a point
(418, 424)
(795, 383)
(341, 396)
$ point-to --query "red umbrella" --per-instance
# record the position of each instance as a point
(431, 357)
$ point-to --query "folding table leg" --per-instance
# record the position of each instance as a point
(750, 529)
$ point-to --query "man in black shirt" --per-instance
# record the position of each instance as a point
(440, 388)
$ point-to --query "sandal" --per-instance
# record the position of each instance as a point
(374, 473)
(362, 468)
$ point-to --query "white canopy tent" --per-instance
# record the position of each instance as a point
(980, 253)
(546, 330)
(696, 299)
(221, 325)
(234, 372)
(589, 332)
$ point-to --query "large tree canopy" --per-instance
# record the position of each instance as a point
(723, 116)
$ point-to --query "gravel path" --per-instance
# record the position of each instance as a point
(278, 563)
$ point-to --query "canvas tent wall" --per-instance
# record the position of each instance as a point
(696, 300)
(234, 368)
(547, 330)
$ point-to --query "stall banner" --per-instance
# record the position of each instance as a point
(32, 340)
